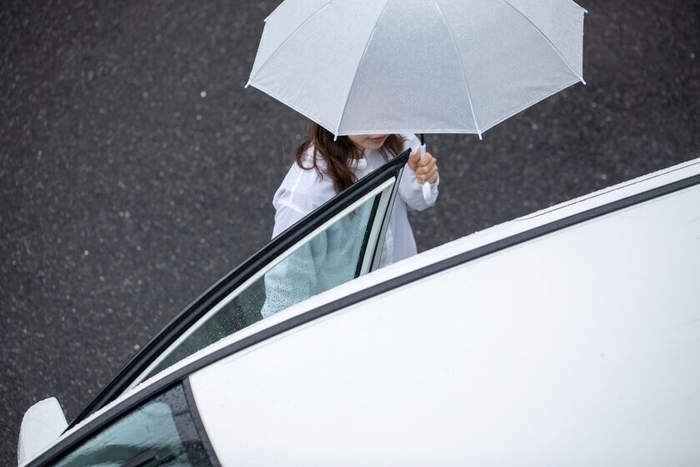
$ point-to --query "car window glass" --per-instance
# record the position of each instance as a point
(334, 255)
(160, 432)
(328, 260)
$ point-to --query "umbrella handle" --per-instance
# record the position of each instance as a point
(426, 185)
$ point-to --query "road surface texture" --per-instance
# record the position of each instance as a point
(135, 169)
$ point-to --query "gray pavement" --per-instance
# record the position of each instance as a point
(135, 169)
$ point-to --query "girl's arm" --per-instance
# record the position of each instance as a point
(410, 188)
(301, 192)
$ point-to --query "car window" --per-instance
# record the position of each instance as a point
(340, 251)
(158, 433)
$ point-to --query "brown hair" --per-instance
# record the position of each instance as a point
(338, 153)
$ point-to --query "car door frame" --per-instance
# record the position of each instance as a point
(242, 274)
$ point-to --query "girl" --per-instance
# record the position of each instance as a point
(325, 166)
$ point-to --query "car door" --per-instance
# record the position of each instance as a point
(275, 278)
(272, 280)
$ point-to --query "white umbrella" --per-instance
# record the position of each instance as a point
(420, 66)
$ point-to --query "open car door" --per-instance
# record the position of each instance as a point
(284, 272)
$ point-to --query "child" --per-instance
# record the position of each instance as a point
(324, 167)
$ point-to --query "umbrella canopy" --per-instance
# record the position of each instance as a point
(421, 66)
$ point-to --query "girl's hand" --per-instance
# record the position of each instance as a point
(425, 167)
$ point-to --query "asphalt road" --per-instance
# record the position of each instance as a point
(135, 169)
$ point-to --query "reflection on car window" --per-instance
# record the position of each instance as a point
(160, 432)
(329, 258)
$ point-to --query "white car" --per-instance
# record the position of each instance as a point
(567, 337)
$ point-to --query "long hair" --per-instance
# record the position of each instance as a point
(338, 154)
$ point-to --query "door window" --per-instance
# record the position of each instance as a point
(341, 250)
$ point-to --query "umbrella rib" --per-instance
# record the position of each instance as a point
(359, 62)
(287, 39)
(461, 66)
(556, 49)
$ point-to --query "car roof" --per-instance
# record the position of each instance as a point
(568, 336)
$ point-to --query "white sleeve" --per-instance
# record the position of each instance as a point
(285, 217)
(301, 191)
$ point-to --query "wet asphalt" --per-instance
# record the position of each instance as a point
(135, 169)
